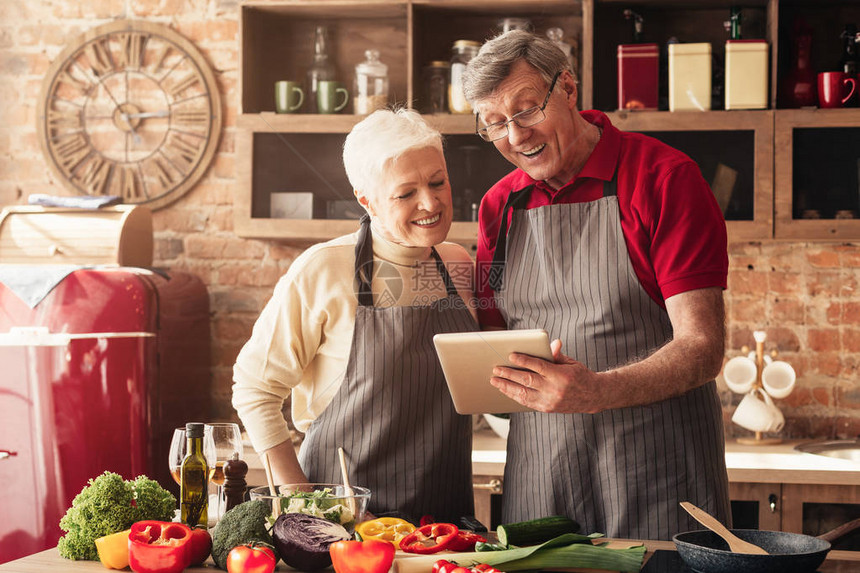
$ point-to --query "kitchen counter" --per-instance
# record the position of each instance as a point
(49, 561)
(779, 463)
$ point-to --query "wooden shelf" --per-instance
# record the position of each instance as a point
(759, 225)
(276, 39)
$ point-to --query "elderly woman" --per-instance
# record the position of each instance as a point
(348, 333)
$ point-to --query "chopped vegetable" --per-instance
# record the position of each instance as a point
(430, 538)
(304, 540)
(391, 529)
(319, 503)
(570, 550)
(113, 550)
(465, 541)
(108, 504)
(369, 556)
(159, 547)
(241, 525)
(480, 546)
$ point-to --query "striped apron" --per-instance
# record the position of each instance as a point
(393, 414)
(565, 268)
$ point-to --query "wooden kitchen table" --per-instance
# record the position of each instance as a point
(50, 561)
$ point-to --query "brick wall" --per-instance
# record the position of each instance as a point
(802, 295)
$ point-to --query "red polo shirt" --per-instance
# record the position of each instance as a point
(673, 227)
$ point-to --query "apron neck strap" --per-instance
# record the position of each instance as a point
(516, 200)
(364, 265)
(364, 262)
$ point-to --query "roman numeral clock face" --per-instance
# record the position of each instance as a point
(131, 109)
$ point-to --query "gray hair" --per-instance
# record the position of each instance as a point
(381, 137)
(493, 63)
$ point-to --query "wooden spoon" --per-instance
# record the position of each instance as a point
(736, 544)
(347, 489)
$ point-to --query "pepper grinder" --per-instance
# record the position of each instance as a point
(235, 471)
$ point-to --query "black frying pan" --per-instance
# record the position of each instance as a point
(706, 552)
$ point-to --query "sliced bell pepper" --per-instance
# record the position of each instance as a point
(430, 538)
(368, 556)
(113, 550)
(465, 541)
(159, 547)
(391, 529)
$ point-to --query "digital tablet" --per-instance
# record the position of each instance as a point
(468, 359)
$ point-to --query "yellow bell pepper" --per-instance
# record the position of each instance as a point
(391, 529)
(113, 550)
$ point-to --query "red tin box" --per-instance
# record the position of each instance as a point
(638, 76)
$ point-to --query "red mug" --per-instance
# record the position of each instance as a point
(832, 88)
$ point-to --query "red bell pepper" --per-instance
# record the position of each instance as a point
(159, 547)
(465, 541)
(368, 556)
(430, 538)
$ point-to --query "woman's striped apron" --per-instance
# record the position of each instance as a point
(619, 472)
(393, 414)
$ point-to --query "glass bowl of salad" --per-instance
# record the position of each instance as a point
(330, 501)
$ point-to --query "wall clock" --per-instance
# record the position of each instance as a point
(131, 109)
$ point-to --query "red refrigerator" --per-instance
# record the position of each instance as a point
(94, 376)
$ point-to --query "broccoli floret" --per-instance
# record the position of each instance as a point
(109, 504)
(244, 523)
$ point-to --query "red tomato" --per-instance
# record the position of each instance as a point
(199, 546)
(250, 559)
(443, 566)
(460, 570)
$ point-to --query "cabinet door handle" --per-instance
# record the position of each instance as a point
(7, 454)
(494, 485)
(771, 501)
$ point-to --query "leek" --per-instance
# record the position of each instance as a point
(568, 550)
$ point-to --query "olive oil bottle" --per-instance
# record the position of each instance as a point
(194, 480)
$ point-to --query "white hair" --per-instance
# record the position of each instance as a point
(381, 137)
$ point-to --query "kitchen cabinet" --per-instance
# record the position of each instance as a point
(817, 176)
(757, 161)
(756, 505)
(814, 509)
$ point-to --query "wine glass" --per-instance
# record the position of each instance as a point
(226, 440)
(179, 449)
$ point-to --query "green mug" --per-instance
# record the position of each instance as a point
(285, 92)
(328, 93)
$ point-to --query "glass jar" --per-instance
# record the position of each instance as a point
(508, 24)
(434, 83)
(371, 84)
(463, 52)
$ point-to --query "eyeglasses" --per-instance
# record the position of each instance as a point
(525, 118)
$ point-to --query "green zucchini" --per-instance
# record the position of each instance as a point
(535, 531)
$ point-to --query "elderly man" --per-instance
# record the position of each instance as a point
(614, 244)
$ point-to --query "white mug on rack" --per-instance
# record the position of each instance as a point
(739, 374)
(778, 378)
(758, 415)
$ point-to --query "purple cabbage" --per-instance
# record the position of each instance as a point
(303, 540)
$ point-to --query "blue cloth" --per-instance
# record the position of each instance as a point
(32, 283)
(80, 202)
